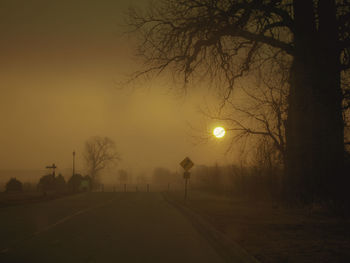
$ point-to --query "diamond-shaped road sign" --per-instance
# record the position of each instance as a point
(187, 164)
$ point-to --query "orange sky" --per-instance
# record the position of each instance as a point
(59, 64)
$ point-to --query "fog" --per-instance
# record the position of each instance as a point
(228, 146)
(60, 72)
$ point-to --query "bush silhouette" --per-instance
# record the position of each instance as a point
(60, 183)
(14, 185)
(74, 182)
(86, 183)
(50, 182)
(47, 183)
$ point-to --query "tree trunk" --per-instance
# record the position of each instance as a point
(314, 129)
(329, 105)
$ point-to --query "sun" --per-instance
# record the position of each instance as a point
(219, 132)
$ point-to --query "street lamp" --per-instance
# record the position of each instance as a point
(73, 162)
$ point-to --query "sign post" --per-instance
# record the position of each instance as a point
(187, 164)
(53, 167)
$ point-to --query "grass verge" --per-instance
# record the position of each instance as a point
(272, 233)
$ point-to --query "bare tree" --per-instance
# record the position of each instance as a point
(99, 153)
(225, 39)
(260, 110)
(256, 119)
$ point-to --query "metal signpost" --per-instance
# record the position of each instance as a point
(187, 164)
(53, 167)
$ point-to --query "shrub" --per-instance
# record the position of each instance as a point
(47, 183)
(86, 183)
(60, 183)
(74, 182)
(14, 185)
(50, 182)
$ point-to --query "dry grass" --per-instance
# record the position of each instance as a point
(275, 234)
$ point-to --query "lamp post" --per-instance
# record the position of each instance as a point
(73, 163)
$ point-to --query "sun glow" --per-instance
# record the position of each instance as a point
(219, 132)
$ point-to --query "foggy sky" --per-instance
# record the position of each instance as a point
(60, 62)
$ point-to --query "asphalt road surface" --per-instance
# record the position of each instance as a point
(101, 227)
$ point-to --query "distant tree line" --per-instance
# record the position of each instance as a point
(251, 182)
(55, 184)
(162, 177)
(76, 183)
(99, 153)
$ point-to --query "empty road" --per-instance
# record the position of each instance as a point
(101, 227)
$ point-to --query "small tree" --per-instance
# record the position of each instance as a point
(14, 185)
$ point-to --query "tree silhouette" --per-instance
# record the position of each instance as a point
(14, 185)
(223, 39)
(47, 183)
(51, 182)
(260, 111)
(99, 153)
(75, 182)
(60, 183)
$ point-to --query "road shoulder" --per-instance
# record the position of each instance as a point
(228, 249)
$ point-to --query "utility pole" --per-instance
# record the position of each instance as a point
(73, 163)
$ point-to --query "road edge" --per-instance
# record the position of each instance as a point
(228, 249)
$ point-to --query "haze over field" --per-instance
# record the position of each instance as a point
(59, 68)
(174, 131)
